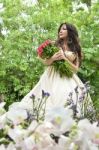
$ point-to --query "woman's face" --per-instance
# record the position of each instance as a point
(63, 32)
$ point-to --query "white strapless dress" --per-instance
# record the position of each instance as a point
(59, 89)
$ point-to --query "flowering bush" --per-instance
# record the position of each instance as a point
(46, 50)
(30, 127)
(58, 131)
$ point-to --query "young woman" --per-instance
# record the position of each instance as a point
(62, 90)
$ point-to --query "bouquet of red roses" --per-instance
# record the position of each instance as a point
(46, 50)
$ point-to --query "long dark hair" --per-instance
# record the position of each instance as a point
(72, 40)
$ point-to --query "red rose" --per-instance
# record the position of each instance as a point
(42, 46)
(40, 51)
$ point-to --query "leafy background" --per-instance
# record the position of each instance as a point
(23, 26)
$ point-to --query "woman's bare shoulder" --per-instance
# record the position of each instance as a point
(70, 53)
(53, 42)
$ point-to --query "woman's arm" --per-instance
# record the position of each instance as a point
(46, 61)
(49, 61)
(59, 56)
(74, 67)
(69, 58)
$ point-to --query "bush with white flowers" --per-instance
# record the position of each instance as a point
(57, 131)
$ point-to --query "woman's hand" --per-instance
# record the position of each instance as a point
(58, 56)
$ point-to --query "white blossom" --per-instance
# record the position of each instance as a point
(1, 21)
(87, 128)
(30, 3)
(5, 32)
(1, 7)
(2, 104)
(17, 134)
(77, 6)
(17, 115)
(11, 146)
(24, 15)
(3, 121)
(83, 135)
(2, 147)
(22, 105)
(21, 29)
(32, 126)
(61, 118)
(29, 143)
(64, 142)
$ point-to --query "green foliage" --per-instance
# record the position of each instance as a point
(27, 27)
